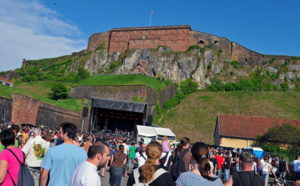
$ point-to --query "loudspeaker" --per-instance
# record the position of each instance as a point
(149, 120)
(85, 112)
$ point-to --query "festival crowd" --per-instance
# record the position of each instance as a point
(69, 157)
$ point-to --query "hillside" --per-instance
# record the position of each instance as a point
(195, 117)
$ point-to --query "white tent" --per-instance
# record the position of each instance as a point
(155, 133)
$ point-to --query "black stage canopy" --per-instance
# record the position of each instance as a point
(118, 105)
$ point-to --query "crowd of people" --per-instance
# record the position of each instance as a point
(69, 157)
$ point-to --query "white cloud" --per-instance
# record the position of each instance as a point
(32, 31)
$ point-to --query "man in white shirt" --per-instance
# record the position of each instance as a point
(35, 150)
(86, 173)
(126, 151)
(296, 164)
(141, 156)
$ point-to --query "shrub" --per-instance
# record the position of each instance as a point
(58, 91)
(284, 86)
(194, 47)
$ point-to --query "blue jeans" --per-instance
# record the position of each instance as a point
(116, 174)
(226, 172)
(218, 173)
(265, 175)
(130, 164)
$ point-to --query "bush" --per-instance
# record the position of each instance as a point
(194, 47)
(58, 91)
(188, 86)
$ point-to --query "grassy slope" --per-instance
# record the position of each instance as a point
(71, 104)
(132, 79)
(195, 116)
(40, 90)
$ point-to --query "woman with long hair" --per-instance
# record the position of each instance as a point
(201, 173)
(9, 165)
(150, 172)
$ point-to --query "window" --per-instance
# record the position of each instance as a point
(155, 31)
(154, 37)
(135, 37)
(165, 36)
(126, 37)
(127, 32)
(133, 42)
(118, 33)
(153, 41)
(175, 42)
(165, 31)
(146, 32)
(136, 32)
(176, 30)
(117, 38)
(175, 36)
(165, 42)
(116, 43)
(143, 41)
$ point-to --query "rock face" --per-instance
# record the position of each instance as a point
(201, 65)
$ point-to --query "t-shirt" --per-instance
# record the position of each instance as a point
(35, 149)
(118, 159)
(282, 166)
(265, 166)
(247, 178)
(186, 159)
(85, 175)
(132, 152)
(25, 136)
(163, 180)
(296, 164)
(227, 160)
(191, 179)
(215, 162)
(62, 160)
(126, 148)
(253, 166)
(13, 164)
(140, 159)
(220, 161)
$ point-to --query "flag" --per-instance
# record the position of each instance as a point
(152, 12)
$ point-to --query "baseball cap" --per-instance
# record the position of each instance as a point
(247, 157)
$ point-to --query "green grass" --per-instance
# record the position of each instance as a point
(41, 88)
(195, 117)
(130, 79)
(71, 104)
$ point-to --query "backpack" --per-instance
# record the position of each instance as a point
(178, 165)
(24, 177)
(163, 160)
(136, 175)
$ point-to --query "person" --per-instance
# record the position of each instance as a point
(35, 150)
(215, 162)
(220, 160)
(141, 156)
(86, 173)
(9, 165)
(227, 166)
(296, 164)
(246, 177)
(21, 141)
(182, 151)
(266, 168)
(15, 129)
(166, 155)
(254, 167)
(283, 169)
(131, 156)
(24, 134)
(88, 144)
(151, 171)
(255, 159)
(117, 166)
(201, 170)
(76, 141)
(62, 160)
(126, 151)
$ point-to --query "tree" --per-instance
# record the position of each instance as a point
(188, 86)
(284, 136)
(58, 91)
(82, 74)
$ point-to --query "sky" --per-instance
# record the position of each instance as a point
(36, 29)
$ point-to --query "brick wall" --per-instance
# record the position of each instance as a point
(24, 109)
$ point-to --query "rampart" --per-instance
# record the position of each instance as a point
(179, 38)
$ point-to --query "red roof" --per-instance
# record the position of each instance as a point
(249, 126)
(3, 79)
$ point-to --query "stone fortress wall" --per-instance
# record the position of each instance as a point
(179, 38)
